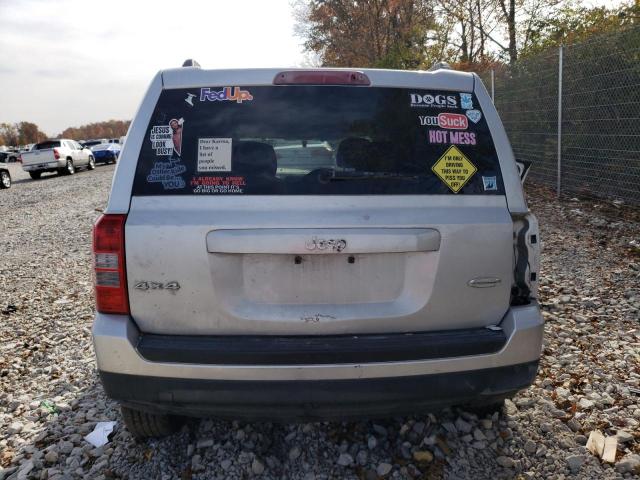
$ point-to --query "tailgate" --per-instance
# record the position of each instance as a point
(406, 265)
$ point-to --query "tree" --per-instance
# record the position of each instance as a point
(107, 129)
(367, 33)
(8, 134)
(29, 133)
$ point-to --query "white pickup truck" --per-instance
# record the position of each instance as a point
(62, 156)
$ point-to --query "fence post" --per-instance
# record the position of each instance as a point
(493, 86)
(558, 185)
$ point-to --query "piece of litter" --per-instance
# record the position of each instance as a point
(595, 443)
(100, 434)
(610, 447)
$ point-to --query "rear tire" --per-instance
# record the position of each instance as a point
(5, 179)
(69, 168)
(144, 425)
(35, 175)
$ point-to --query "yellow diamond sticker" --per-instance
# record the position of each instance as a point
(454, 169)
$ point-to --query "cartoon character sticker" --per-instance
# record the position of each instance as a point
(466, 101)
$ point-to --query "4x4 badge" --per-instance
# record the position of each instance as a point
(322, 244)
(145, 285)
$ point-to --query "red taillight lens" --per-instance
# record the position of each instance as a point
(19, 159)
(108, 260)
(321, 77)
(56, 154)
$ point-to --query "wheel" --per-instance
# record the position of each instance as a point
(69, 168)
(92, 163)
(144, 425)
(5, 179)
(35, 175)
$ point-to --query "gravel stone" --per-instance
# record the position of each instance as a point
(575, 462)
(344, 460)
(257, 467)
(383, 469)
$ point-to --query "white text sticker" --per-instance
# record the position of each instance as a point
(214, 155)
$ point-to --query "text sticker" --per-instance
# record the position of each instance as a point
(166, 139)
(214, 155)
(454, 169)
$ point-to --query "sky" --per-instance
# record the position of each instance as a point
(67, 63)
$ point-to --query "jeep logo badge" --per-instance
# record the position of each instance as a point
(336, 245)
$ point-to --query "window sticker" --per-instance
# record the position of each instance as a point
(189, 99)
(166, 139)
(490, 183)
(433, 101)
(214, 155)
(454, 169)
(168, 173)
(450, 121)
(474, 115)
(202, 184)
(457, 138)
(466, 101)
(228, 94)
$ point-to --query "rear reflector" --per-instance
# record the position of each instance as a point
(321, 77)
(110, 275)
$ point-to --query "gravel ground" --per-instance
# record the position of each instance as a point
(50, 397)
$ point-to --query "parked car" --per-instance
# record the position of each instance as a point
(106, 152)
(5, 175)
(63, 156)
(389, 266)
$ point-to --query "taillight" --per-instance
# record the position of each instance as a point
(56, 154)
(108, 261)
(321, 77)
(19, 159)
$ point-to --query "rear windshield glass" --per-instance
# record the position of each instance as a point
(46, 145)
(312, 140)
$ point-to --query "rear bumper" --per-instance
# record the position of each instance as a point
(304, 388)
(45, 166)
(316, 400)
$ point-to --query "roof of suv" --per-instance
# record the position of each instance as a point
(444, 79)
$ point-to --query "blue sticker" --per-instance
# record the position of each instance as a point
(490, 183)
(474, 115)
(466, 101)
(167, 174)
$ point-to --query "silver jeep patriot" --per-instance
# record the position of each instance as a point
(287, 244)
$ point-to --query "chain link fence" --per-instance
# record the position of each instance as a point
(574, 112)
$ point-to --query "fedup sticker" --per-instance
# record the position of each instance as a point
(490, 183)
(229, 94)
(166, 139)
(214, 155)
(466, 101)
(474, 115)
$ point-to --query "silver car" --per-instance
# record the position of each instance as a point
(314, 244)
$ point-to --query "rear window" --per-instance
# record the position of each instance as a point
(317, 140)
(46, 145)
